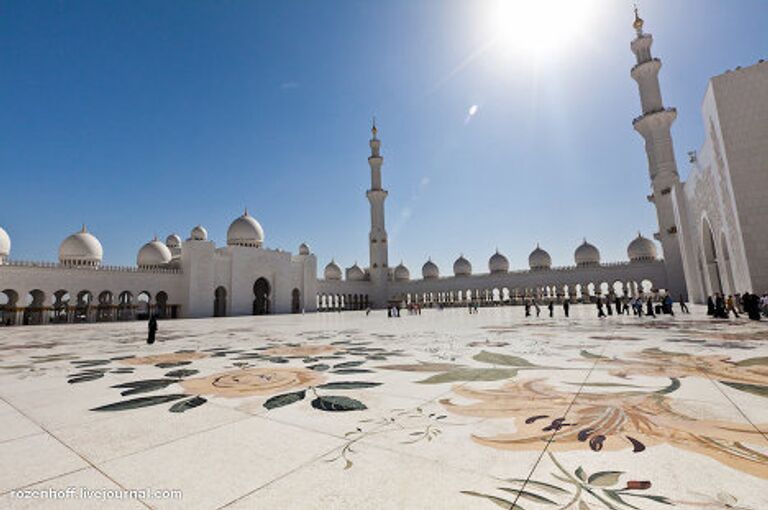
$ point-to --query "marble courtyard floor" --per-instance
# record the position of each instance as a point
(445, 410)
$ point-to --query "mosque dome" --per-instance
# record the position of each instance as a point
(81, 249)
(332, 271)
(355, 273)
(245, 231)
(198, 233)
(587, 255)
(462, 267)
(498, 263)
(539, 259)
(430, 270)
(304, 249)
(5, 244)
(641, 249)
(173, 241)
(401, 273)
(153, 254)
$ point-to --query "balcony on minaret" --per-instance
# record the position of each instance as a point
(651, 198)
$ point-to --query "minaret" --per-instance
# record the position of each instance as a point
(377, 239)
(654, 125)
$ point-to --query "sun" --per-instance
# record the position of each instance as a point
(539, 27)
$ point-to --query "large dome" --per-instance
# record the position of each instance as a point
(245, 231)
(153, 254)
(5, 245)
(304, 249)
(586, 255)
(401, 273)
(332, 271)
(539, 259)
(81, 249)
(462, 267)
(355, 273)
(198, 233)
(498, 263)
(173, 241)
(430, 270)
(641, 249)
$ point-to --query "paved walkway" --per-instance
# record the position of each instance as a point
(444, 410)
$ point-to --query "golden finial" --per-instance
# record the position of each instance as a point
(374, 131)
(638, 24)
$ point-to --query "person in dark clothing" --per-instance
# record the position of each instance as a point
(683, 306)
(600, 312)
(649, 308)
(551, 307)
(617, 302)
(710, 306)
(608, 307)
(720, 312)
(152, 327)
(566, 307)
(752, 305)
(527, 308)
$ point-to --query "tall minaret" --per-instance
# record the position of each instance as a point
(654, 125)
(377, 239)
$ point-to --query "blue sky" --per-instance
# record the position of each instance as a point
(145, 117)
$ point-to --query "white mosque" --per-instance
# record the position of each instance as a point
(712, 230)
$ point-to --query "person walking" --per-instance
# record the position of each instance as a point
(527, 308)
(538, 308)
(600, 312)
(551, 307)
(710, 306)
(152, 329)
(566, 307)
(730, 307)
(649, 308)
(720, 312)
(683, 306)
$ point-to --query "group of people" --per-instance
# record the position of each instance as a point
(721, 307)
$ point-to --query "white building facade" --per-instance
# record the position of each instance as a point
(191, 278)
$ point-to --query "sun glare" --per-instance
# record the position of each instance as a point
(537, 27)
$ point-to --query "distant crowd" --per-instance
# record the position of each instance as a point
(721, 307)
(718, 306)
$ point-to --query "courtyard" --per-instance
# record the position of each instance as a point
(343, 410)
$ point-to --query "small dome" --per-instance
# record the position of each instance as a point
(332, 271)
(153, 254)
(462, 267)
(498, 263)
(430, 270)
(539, 259)
(303, 249)
(245, 231)
(81, 249)
(641, 249)
(173, 241)
(5, 244)
(355, 273)
(198, 233)
(401, 273)
(587, 255)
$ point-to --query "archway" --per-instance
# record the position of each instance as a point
(295, 301)
(261, 289)
(61, 306)
(8, 303)
(105, 306)
(161, 304)
(143, 308)
(220, 302)
(125, 306)
(710, 259)
(34, 312)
